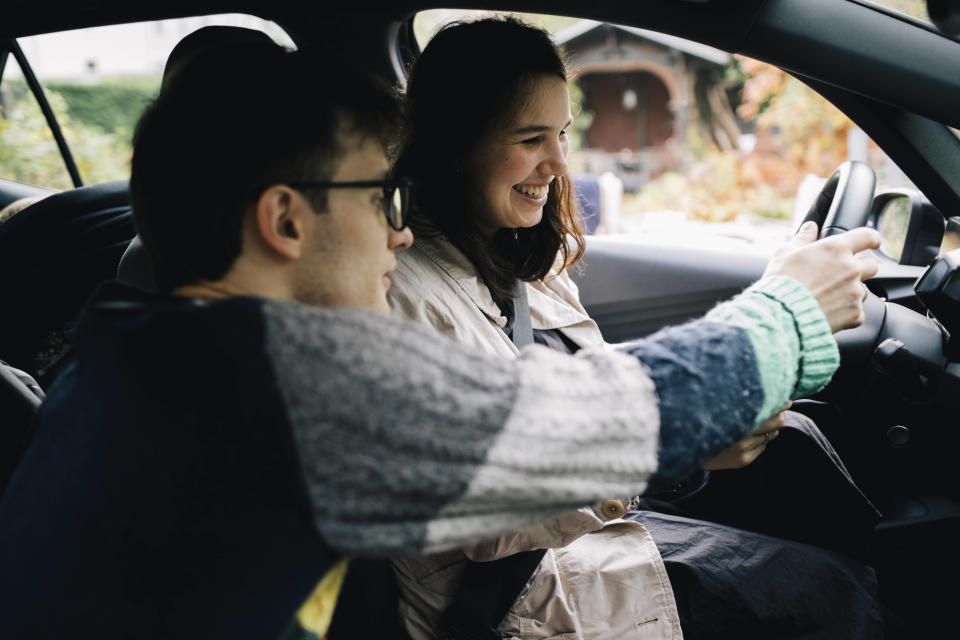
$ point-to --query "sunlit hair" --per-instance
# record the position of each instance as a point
(472, 79)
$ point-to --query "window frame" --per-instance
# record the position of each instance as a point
(11, 46)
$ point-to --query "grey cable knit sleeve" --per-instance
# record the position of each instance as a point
(409, 442)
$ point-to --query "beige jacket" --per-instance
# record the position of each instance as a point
(601, 578)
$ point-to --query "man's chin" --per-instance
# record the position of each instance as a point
(381, 307)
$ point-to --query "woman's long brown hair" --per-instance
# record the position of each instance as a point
(472, 78)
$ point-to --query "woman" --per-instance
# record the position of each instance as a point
(488, 107)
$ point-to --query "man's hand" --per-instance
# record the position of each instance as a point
(742, 453)
(830, 270)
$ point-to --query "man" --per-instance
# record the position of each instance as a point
(218, 445)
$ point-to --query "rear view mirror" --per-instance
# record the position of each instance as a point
(910, 227)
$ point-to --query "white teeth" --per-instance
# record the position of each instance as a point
(533, 191)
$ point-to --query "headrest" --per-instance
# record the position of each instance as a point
(206, 38)
(134, 269)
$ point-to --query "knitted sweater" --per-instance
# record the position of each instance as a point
(201, 465)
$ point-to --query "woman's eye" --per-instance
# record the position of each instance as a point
(563, 133)
(531, 141)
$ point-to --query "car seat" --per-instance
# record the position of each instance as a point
(134, 269)
(53, 254)
(367, 604)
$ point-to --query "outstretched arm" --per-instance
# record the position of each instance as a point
(410, 442)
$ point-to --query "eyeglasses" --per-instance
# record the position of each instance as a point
(396, 196)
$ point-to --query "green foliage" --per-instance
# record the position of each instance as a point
(14, 90)
(714, 188)
(582, 119)
(113, 106)
(28, 152)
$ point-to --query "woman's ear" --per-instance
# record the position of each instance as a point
(278, 219)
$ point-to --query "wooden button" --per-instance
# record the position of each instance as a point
(612, 509)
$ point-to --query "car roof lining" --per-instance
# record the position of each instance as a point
(817, 37)
(820, 44)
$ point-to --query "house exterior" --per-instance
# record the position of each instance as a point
(644, 89)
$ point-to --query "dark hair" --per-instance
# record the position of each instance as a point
(233, 121)
(472, 78)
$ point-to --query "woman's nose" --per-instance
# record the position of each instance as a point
(555, 162)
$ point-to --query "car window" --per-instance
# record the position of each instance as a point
(679, 143)
(916, 9)
(28, 150)
(97, 81)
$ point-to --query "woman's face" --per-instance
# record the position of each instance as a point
(515, 165)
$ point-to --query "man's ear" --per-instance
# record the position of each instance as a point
(278, 218)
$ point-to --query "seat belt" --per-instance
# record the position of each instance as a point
(522, 325)
(489, 589)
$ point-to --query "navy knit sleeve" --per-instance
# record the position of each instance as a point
(685, 362)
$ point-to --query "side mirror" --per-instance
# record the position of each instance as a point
(945, 16)
(910, 227)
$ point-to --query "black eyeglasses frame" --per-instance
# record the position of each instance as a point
(397, 219)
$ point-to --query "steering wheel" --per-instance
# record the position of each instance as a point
(843, 204)
(844, 200)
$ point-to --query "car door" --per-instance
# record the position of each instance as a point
(633, 287)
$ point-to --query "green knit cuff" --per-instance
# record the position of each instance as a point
(785, 325)
(773, 334)
(819, 355)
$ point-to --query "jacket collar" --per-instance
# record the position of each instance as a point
(547, 309)
(458, 268)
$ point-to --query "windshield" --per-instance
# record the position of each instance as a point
(676, 142)
(916, 9)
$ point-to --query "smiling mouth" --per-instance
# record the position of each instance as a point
(536, 192)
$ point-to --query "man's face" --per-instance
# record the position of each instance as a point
(352, 250)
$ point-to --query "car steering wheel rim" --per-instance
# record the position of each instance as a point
(842, 204)
(844, 200)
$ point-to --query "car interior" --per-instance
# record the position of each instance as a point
(892, 410)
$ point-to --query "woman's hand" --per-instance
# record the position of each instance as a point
(742, 453)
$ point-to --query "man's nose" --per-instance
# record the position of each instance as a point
(398, 240)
